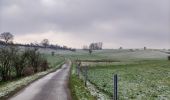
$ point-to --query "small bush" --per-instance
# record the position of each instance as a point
(168, 57)
(34, 58)
(53, 53)
(44, 65)
(28, 71)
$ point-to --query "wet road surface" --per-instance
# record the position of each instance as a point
(53, 86)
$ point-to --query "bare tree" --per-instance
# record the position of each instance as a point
(7, 37)
(92, 46)
(45, 42)
(96, 46)
(100, 45)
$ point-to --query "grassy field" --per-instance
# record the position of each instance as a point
(143, 74)
(54, 60)
(118, 55)
(145, 80)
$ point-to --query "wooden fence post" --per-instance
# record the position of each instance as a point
(85, 75)
(79, 71)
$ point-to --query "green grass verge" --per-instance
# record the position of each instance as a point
(77, 88)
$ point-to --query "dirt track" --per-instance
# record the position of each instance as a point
(51, 87)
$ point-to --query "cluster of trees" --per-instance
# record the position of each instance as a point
(93, 46)
(15, 63)
(96, 46)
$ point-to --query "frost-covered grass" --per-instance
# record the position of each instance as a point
(143, 74)
(113, 54)
(11, 86)
(144, 80)
(6, 88)
(78, 90)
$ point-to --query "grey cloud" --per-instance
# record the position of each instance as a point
(130, 19)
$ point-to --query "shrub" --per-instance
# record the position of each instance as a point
(44, 65)
(34, 58)
(168, 57)
(19, 62)
(52, 53)
(28, 71)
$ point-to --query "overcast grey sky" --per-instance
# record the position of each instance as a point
(126, 23)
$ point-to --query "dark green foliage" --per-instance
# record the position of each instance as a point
(34, 58)
(6, 61)
(44, 65)
(53, 53)
(90, 51)
(14, 63)
(20, 61)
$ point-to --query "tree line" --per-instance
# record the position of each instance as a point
(15, 63)
(7, 38)
(93, 46)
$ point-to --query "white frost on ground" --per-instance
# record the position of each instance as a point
(11, 86)
(95, 92)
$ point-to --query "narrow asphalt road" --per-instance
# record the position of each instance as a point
(53, 86)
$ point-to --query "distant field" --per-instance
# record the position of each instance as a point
(109, 54)
(53, 60)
